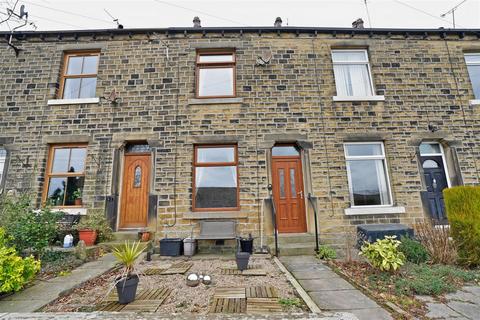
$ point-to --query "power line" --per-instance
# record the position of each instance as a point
(201, 12)
(56, 21)
(422, 11)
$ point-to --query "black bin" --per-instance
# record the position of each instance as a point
(246, 245)
(172, 247)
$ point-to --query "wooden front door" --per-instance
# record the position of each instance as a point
(288, 194)
(135, 189)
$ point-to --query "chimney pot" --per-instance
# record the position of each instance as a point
(278, 22)
(197, 22)
(358, 24)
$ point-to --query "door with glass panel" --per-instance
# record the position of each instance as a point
(431, 156)
(288, 193)
(135, 187)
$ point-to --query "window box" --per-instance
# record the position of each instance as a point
(59, 102)
(358, 98)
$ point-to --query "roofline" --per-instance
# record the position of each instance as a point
(297, 30)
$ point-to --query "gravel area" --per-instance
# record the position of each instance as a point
(183, 299)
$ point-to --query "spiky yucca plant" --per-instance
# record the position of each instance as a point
(127, 254)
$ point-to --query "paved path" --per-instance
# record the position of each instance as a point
(42, 293)
(461, 305)
(329, 291)
(156, 316)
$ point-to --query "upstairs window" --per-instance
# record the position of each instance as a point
(65, 175)
(352, 73)
(215, 178)
(3, 158)
(215, 74)
(367, 174)
(473, 66)
(79, 76)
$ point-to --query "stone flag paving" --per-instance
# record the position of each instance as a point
(461, 305)
(329, 291)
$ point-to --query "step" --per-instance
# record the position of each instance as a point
(294, 238)
(125, 235)
(296, 249)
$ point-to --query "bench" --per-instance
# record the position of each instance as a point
(217, 230)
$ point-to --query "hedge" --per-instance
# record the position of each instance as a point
(463, 211)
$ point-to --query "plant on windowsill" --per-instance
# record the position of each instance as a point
(87, 228)
(77, 197)
(127, 283)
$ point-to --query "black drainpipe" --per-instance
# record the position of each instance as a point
(274, 218)
(311, 199)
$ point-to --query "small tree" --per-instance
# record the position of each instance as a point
(463, 211)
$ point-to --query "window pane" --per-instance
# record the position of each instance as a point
(292, 183)
(71, 88)
(369, 183)
(74, 190)
(472, 58)
(430, 164)
(281, 175)
(88, 88)
(285, 151)
(374, 149)
(216, 58)
(56, 191)
(226, 154)
(74, 65)
(474, 72)
(352, 80)
(429, 148)
(3, 156)
(346, 56)
(216, 187)
(90, 64)
(215, 82)
(60, 160)
(77, 160)
(137, 179)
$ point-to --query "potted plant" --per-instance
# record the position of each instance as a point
(127, 284)
(87, 229)
(77, 197)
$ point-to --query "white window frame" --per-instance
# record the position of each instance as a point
(476, 100)
(349, 175)
(441, 154)
(3, 170)
(366, 62)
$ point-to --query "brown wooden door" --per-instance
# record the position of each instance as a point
(288, 194)
(134, 203)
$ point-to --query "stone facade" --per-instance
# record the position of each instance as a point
(422, 76)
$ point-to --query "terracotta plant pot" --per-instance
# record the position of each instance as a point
(145, 236)
(78, 202)
(88, 236)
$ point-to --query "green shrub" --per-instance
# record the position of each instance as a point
(436, 279)
(30, 229)
(326, 253)
(413, 250)
(463, 211)
(15, 271)
(383, 254)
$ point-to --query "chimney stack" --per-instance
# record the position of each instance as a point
(278, 22)
(357, 24)
(197, 22)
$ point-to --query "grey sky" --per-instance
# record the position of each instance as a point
(170, 13)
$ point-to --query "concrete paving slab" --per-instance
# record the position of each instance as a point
(472, 289)
(371, 314)
(465, 296)
(440, 311)
(325, 284)
(342, 300)
(466, 309)
(322, 274)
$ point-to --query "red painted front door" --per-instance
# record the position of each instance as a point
(288, 194)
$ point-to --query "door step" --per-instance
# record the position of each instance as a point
(294, 244)
(121, 236)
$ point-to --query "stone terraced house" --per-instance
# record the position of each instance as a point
(164, 128)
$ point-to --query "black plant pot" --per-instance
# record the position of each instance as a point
(242, 260)
(127, 289)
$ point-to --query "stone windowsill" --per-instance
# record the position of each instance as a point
(373, 210)
(215, 215)
(475, 102)
(358, 98)
(215, 101)
(72, 211)
(59, 102)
